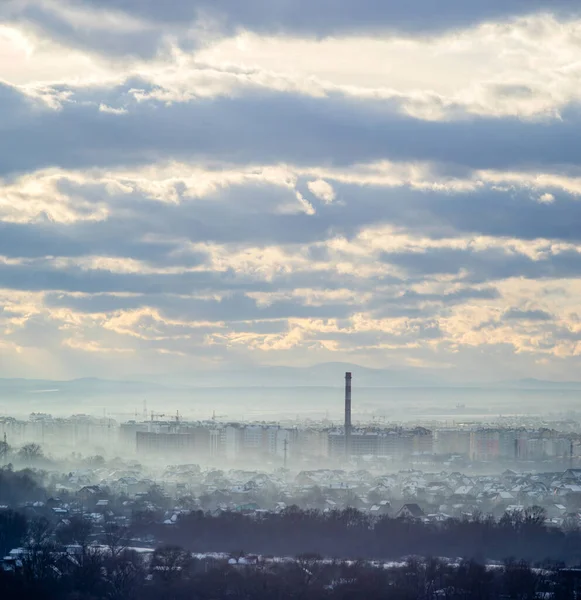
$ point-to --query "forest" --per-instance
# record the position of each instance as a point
(352, 534)
(171, 573)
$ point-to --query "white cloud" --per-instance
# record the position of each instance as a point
(111, 110)
(525, 67)
(31, 61)
(547, 198)
(305, 205)
(528, 67)
(322, 190)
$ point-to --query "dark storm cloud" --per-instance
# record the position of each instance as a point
(15, 106)
(236, 306)
(233, 307)
(414, 331)
(271, 127)
(478, 266)
(413, 304)
(46, 274)
(155, 232)
(302, 17)
(451, 298)
(112, 238)
(137, 224)
(331, 17)
(252, 217)
(39, 277)
(488, 210)
(99, 38)
(516, 314)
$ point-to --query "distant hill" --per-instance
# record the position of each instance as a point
(287, 392)
(322, 375)
(331, 374)
(531, 383)
(75, 386)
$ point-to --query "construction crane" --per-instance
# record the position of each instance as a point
(134, 414)
(215, 416)
(155, 415)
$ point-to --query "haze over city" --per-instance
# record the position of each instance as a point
(289, 299)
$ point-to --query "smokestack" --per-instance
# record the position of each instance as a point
(347, 416)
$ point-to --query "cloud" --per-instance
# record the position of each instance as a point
(547, 198)
(107, 30)
(323, 190)
(527, 315)
(477, 266)
(244, 129)
(322, 18)
(522, 68)
(384, 183)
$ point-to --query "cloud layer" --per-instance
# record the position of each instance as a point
(393, 184)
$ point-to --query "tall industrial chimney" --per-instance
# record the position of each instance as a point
(347, 416)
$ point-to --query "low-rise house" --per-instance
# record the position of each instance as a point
(380, 509)
(410, 511)
(503, 498)
(572, 475)
(555, 510)
(567, 489)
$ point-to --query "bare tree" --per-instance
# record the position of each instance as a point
(170, 563)
(39, 532)
(116, 538)
(30, 453)
(39, 551)
(124, 575)
(76, 531)
(535, 516)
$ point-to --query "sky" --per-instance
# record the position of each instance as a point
(222, 184)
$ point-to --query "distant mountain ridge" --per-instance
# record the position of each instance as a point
(90, 383)
(322, 375)
(532, 383)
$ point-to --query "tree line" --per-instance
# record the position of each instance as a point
(352, 534)
(172, 573)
